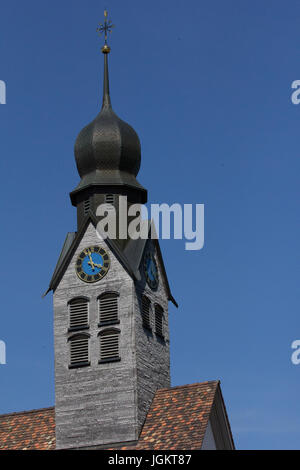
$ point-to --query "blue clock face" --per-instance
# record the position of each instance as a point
(151, 271)
(92, 264)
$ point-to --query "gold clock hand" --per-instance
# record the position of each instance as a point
(91, 263)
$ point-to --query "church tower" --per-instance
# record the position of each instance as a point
(111, 332)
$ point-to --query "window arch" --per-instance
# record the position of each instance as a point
(79, 350)
(109, 345)
(78, 313)
(159, 315)
(146, 306)
(108, 308)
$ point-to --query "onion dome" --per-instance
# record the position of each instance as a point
(108, 150)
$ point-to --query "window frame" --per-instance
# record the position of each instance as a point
(78, 328)
(108, 198)
(108, 322)
(77, 365)
(146, 325)
(106, 332)
(158, 310)
(86, 206)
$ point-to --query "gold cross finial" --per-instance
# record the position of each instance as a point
(105, 28)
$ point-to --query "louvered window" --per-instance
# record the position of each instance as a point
(108, 305)
(110, 198)
(109, 345)
(78, 314)
(86, 206)
(79, 351)
(146, 305)
(109, 201)
(159, 320)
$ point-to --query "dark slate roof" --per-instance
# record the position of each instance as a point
(66, 246)
(130, 257)
(177, 419)
(108, 150)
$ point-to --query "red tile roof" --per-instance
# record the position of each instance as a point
(177, 419)
(34, 430)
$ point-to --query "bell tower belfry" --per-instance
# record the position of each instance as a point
(111, 331)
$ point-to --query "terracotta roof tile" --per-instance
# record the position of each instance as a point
(28, 430)
(177, 419)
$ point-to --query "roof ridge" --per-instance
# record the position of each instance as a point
(176, 387)
(14, 413)
(195, 384)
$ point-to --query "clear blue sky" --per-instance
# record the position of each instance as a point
(206, 84)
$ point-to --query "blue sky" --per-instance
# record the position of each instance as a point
(207, 86)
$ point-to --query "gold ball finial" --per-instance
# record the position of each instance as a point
(105, 49)
(105, 28)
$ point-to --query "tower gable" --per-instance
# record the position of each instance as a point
(130, 257)
(90, 237)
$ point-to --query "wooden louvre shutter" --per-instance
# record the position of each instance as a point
(109, 346)
(86, 206)
(79, 351)
(108, 305)
(109, 201)
(159, 320)
(110, 198)
(146, 312)
(79, 313)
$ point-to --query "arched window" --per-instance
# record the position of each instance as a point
(109, 345)
(146, 306)
(79, 350)
(159, 315)
(78, 313)
(108, 307)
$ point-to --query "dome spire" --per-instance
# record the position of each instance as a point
(105, 28)
(106, 97)
(107, 150)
